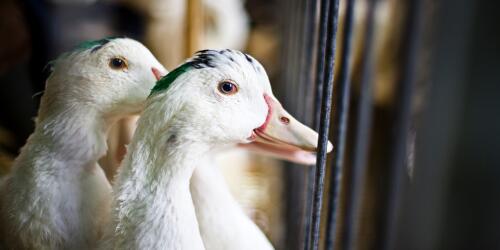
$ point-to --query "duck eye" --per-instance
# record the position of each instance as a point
(118, 63)
(228, 88)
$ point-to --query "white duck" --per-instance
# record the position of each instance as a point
(223, 224)
(57, 196)
(216, 99)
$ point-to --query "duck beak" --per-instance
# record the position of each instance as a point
(157, 73)
(284, 137)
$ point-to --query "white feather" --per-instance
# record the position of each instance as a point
(56, 196)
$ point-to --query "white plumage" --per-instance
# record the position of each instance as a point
(56, 196)
(223, 224)
(188, 117)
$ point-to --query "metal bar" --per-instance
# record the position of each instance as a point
(290, 53)
(320, 59)
(293, 83)
(298, 51)
(298, 63)
(283, 93)
(361, 133)
(318, 87)
(329, 58)
(308, 10)
(398, 147)
(307, 79)
(340, 122)
(454, 200)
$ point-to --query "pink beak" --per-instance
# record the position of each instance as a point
(284, 137)
(157, 73)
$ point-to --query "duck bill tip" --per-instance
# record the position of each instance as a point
(329, 147)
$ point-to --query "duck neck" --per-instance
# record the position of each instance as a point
(67, 142)
(223, 223)
(74, 134)
(59, 162)
(153, 192)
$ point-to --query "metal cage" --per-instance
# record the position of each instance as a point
(383, 185)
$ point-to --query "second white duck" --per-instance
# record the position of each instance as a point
(57, 196)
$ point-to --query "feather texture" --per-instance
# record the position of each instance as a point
(57, 197)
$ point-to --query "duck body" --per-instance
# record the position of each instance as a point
(44, 200)
(153, 204)
(223, 223)
(178, 129)
(218, 98)
(57, 196)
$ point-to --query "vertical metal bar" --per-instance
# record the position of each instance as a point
(324, 124)
(455, 190)
(320, 59)
(361, 133)
(293, 53)
(340, 122)
(401, 127)
(298, 39)
(290, 53)
(304, 59)
(318, 88)
(296, 64)
(308, 77)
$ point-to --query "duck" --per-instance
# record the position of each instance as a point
(57, 196)
(223, 223)
(216, 99)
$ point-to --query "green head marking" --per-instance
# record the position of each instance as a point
(95, 44)
(167, 80)
(86, 45)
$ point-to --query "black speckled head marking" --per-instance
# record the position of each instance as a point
(249, 59)
(203, 59)
(207, 59)
(210, 58)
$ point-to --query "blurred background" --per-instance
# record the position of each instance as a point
(449, 189)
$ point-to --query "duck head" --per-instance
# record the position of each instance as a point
(114, 75)
(224, 97)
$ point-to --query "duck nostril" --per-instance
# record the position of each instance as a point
(284, 120)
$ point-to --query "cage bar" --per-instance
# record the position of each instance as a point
(401, 126)
(297, 93)
(307, 79)
(362, 135)
(330, 19)
(340, 120)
